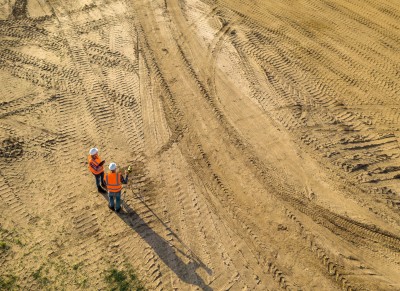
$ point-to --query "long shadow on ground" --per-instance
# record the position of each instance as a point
(166, 252)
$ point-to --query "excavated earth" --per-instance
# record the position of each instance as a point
(263, 136)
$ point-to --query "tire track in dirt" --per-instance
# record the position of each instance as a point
(13, 201)
(19, 32)
(253, 159)
(217, 113)
(334, 268)
(66, 203)
(103, 56)
(127, 118)
(28, 108)
(141, 216)
(169, 101)
(156, 245)
(169, 257)
(168, 107)
(22, 153)
(227, 242)
(237, 219)
(216, 178)
(346, 118)
(140, 219)
(89, 250)
(14, 152)
(275, 271)
(153, 270)
(39, 72)
(181, 215)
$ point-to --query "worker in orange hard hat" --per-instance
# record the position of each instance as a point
(97, 169)
(114, 181)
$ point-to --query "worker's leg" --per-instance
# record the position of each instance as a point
(118, 201)
(97, 177)
(102, 180)
(111, 199)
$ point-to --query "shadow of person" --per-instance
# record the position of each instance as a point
(165, 251)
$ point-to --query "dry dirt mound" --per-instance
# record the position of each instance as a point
(263, 136)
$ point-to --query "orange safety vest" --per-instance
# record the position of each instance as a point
(94, 166)
(113, 182)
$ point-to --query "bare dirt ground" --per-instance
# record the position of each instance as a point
(263, 135)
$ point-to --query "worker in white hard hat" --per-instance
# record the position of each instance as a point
(114, 181)
(97, 169)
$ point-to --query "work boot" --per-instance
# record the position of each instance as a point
(118, 210)
(101, 190)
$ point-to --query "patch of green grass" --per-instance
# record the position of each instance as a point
(76, 266)
(83, 283)
(4, 246)
(123, 280)
(8, 282)
(38, 276)
(18, 242)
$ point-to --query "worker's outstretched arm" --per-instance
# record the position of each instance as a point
(124, 180)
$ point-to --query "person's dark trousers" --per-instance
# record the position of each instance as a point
(100, 180)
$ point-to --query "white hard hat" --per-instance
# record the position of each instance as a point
(93, 151)
(112, 166)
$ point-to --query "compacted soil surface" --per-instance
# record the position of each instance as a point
(263, 138)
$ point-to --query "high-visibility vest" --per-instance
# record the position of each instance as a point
(113, 182)
(94, 166)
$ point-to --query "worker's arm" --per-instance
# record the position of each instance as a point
(124, 180)
(96, 167)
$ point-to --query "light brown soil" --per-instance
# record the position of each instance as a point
(263, 135)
